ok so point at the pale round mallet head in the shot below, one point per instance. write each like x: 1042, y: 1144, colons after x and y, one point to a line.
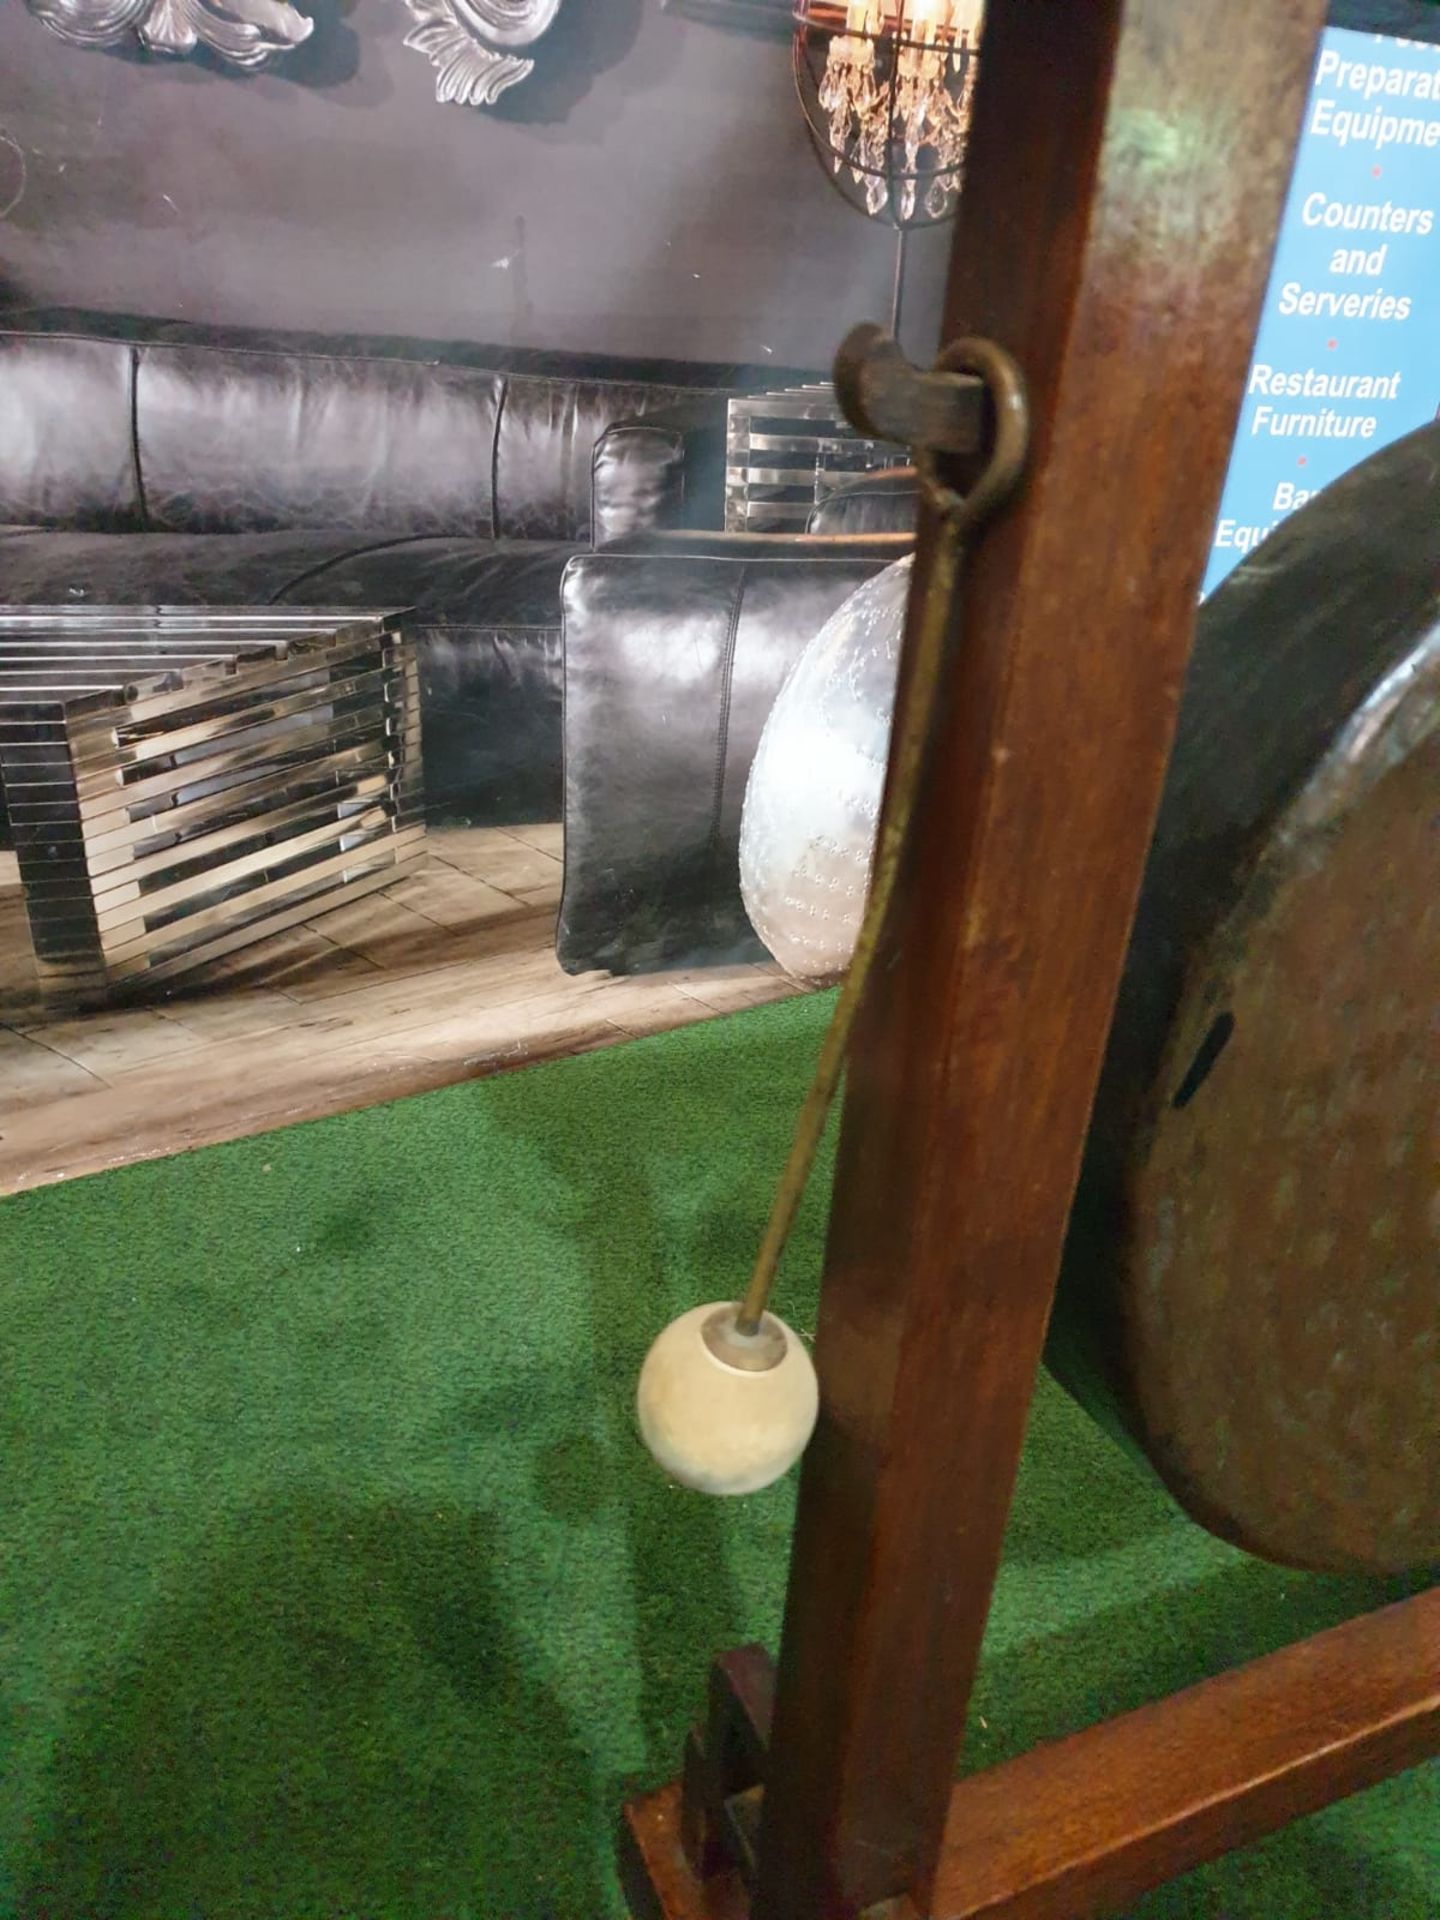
x: 723, y: 1411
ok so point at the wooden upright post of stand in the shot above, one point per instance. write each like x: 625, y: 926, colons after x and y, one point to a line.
x: 1128, y: 164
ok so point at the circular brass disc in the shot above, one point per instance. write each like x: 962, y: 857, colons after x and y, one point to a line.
x: 1250, y: 1294
x: 1282, y: 1282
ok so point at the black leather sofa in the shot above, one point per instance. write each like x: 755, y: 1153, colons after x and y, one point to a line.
x: 154, y: 462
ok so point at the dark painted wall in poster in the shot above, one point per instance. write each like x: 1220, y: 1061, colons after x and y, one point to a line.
x: 649, y: 190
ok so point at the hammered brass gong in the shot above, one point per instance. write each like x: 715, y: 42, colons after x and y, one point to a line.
x: 1251, y: 1288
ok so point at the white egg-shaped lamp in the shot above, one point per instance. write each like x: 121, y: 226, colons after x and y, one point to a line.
x: 812, y: 801
x: 723, y: 1410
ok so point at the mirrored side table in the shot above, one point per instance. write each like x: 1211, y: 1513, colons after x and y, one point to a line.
x: 785, y: 451
x: 181, y: 781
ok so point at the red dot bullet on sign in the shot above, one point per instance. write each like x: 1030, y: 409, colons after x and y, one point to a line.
x: 1332, y: 344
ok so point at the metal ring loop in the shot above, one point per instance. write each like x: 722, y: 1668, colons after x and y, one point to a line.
x: 1006, y: 386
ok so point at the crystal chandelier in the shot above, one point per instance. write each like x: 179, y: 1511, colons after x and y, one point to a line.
x: 887, y: 86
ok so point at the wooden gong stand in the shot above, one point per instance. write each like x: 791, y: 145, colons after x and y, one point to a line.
x: 1128, y: 166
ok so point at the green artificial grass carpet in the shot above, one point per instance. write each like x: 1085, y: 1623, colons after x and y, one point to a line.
x: 335, y: 1583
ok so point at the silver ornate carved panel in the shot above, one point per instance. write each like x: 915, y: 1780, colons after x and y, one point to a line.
x: 247, y: 33
x: 471, y: 44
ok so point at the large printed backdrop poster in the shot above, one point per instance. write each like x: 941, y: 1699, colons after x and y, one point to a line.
x: 1348, y: 352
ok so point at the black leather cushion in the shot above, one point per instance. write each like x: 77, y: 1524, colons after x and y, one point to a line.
x: 136, y: 569
x: 664, y: 470
x: 237, y: 441
x: 674, y: 654
x: 543, y: 458
x: 487, y: 632
x: 242, y: 442
x: 66, y: 457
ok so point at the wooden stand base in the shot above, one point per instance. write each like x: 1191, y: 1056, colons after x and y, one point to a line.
x: 1084, y: 1825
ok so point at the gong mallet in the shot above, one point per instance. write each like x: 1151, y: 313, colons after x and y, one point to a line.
x: 727, y: 1396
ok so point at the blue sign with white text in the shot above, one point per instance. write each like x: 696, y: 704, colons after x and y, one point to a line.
x: 1348, y: 353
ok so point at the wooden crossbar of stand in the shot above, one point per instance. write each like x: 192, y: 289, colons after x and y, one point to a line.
x: 1083, y: 1825
x: 1127, y: 167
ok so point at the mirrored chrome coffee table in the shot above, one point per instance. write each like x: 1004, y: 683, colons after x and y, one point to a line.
x: 183, y: 780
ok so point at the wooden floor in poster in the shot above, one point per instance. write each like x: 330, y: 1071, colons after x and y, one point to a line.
x: 448, y: 975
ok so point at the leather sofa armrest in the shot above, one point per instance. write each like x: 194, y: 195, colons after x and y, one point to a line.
x: 674, y: 650
x: 886, y: 501
x: 662, y: 469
